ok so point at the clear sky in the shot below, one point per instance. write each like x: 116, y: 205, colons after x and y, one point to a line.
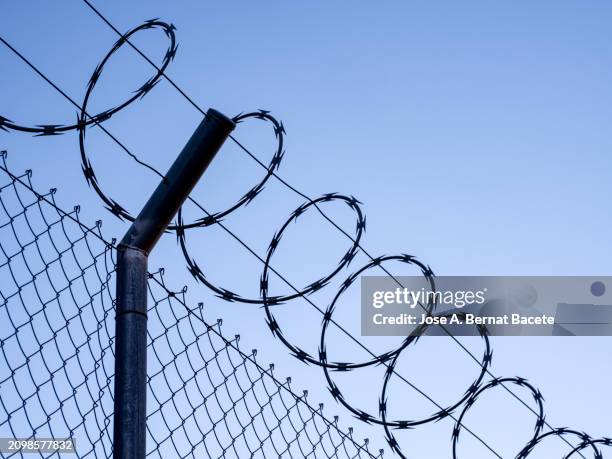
x: 475, y: 133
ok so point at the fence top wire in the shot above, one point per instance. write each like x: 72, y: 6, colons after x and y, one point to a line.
x: 205, y: 394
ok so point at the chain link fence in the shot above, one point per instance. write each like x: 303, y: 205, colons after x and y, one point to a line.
x: 206, y: 396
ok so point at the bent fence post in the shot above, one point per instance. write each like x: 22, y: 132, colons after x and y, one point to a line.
x: 129, y: 433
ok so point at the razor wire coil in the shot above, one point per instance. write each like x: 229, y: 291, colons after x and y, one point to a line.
x: 388, y: 358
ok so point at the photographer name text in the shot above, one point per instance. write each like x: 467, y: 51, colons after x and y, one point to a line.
x: 462, y: 319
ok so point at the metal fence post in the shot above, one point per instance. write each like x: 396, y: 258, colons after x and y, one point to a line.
x: 129, y: 435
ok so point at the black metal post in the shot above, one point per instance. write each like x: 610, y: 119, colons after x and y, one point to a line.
x: 131, y: 296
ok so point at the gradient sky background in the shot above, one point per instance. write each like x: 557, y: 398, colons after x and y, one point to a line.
x: 475, y: 133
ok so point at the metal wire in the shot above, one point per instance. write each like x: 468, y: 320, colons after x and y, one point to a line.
x: 85, y: 120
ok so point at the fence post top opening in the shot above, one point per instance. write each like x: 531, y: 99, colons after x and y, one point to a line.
x: 219, y: 117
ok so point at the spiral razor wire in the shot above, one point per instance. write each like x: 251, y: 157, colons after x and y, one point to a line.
x: 388, y: 359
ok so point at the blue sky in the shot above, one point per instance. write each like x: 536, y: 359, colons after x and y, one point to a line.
x: 475, y: 133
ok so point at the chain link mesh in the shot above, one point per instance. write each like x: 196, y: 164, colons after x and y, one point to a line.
x: 206, y: 396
